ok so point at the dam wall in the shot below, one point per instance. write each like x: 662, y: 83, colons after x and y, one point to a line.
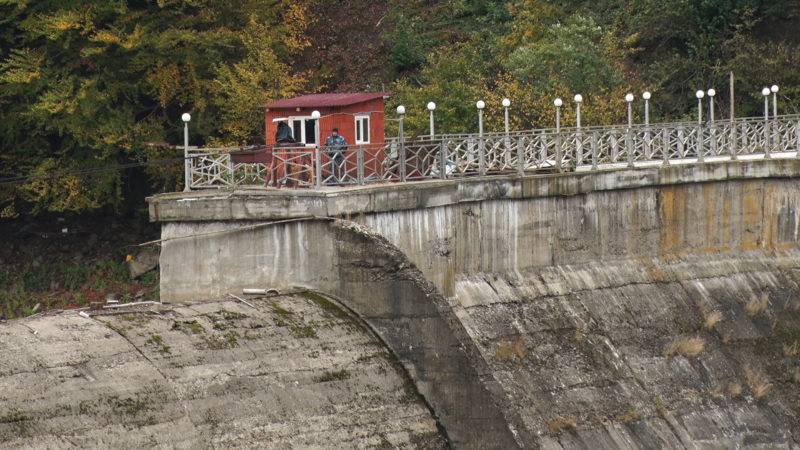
x: 541, y: 311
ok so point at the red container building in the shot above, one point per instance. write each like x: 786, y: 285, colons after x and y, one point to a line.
x: 358, y: 116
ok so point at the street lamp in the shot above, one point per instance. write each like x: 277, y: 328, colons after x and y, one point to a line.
x: 629, y: 99
x: 480, y: 105
x: 187, y: 174
x: 711, y: 94
x: 431, y: 107
x: 765, y: 92
x: 774, y: 90
x: 506, y: 104
x: 700, y: 94
x: 578, y: 99
x: 646, y: 97
x: 317, y: 156
x: 558, y: 104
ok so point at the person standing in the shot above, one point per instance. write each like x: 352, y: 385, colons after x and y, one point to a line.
x: 335, y: 146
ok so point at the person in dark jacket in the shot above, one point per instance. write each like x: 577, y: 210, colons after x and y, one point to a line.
x: 284, y: 133
x: 335, y: 146
x: 277, y: 170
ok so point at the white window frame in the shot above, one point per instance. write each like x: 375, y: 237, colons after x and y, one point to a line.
x: 359, y: 124
x: 301, y: 137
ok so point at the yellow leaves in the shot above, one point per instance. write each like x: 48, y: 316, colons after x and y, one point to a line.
x: 22, y: 66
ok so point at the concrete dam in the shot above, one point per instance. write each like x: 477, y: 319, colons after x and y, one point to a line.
x: 633, y: 308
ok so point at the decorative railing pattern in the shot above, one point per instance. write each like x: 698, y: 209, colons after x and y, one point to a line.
x: 537, y: 151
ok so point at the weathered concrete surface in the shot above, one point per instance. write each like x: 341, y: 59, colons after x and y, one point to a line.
x: 579, y: 350
x: 583, y: 220
x: 293, y: 372
x: 263, y: 204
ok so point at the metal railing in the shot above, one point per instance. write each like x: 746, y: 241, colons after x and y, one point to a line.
x: 531, y: 152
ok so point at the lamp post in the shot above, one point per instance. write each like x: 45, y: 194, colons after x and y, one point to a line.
x: 629, y: 99
x: 506, y: 104
x: 187, y: 171
x: 558, y: 104
x: 646, y: 97
x: 711, y: 93
x: 480, y: 105
x: 431, y: 107
x: 774, y: 90
x: 578, y: 100
x: 699, y: 95
x: 765, y: 92
x: 401, y: 112
x: 317, y: 156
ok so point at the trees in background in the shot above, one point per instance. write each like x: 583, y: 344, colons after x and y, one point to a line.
x: 85, y: 84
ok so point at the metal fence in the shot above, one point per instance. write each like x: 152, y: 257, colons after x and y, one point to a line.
x: 531, y: 152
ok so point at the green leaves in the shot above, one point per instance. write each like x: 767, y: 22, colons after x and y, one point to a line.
x: 83, y: 84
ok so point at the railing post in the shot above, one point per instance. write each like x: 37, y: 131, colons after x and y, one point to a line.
x: 629, y: 146
x: 443, y: 160
x: 733, y: 141
x: 700, y: 143
x: 360, y: 164
x: 797, y: 139
x: 318, y: 161
x: 481, y: 156
x: 521, y: 156
x: 767, y: 140
x: 559, y: 151
x: 229, y: 165
x: 665, y: 147
x: 594, y: 150
x: 713, y: 132
x: 681, y: 146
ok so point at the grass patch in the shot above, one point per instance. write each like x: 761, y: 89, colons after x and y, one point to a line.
x: 156, y: 341
x: 791, y: 350
x: 228, y: 340
x: 756, y: 305
x: 508, y: 350
x: 333, y: 375
x: 711, y: 319
x: 686, y: 346
x: 19, y: 420
x: 559, y: 424
x: 758, y: 383
x: 734, y: 389
x: 192, y: 325
x: 630, y: 416
x: 303, y: 331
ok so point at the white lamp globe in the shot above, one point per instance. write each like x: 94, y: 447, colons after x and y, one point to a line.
x: 699, y: 94
x: 558, y: 102
x: 646, y: 95
x: 578, y: 98
x: 506, y: 102
x: 480, y: 104
x: 186, y: 117
x: 765, y: 91
x: 315, y: 114
x: 401, y: 109
x: 431, y: 106
x: 628, y: 98
x: 712, y: 92
x: 774, y: 89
